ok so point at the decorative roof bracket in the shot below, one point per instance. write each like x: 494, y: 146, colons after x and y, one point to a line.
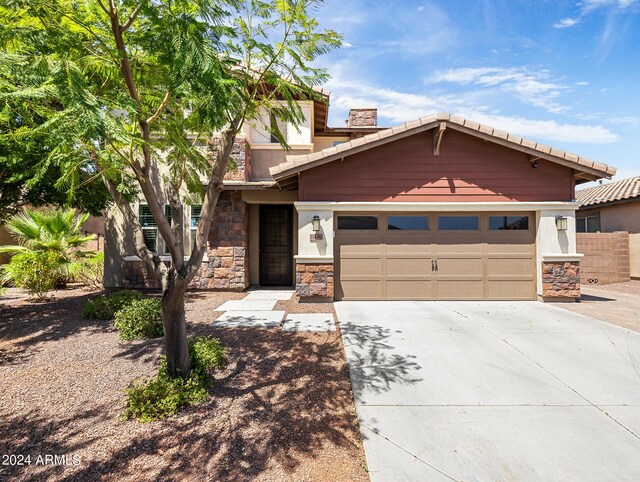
x: 437, y: 138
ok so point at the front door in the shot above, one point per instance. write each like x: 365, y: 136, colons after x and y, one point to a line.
x: 276, y: 244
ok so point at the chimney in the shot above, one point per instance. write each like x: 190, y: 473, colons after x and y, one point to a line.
x: 363, y: 117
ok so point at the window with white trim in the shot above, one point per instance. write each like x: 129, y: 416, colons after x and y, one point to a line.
x: 193, y: 223
x: 150, y: 228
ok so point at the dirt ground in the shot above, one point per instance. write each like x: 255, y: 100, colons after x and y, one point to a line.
x: 282, y: 410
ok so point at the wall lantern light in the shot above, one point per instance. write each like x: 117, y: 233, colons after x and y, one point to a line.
x: 561, y: 223
x: 316, y: 223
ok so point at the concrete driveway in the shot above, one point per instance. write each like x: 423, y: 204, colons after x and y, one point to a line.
x: 493, y: 391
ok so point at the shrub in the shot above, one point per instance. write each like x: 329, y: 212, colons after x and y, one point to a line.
x: 105, y: 307
x: 206, y: 354
x: 37, y: 272
x: 163, y: 396
x: 90, y: 271
x: 140, y: 319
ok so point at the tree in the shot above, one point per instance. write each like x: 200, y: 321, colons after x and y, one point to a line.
x: 27, y: 176
x: 143, y: 83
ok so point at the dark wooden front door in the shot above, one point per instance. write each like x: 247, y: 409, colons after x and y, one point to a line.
x: 276, y: 244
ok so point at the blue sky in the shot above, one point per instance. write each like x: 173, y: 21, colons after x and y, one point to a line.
x: 565, y: 73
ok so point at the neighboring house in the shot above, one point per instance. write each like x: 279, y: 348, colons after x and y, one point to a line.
x: 611, y: 207
x: 438, y: 208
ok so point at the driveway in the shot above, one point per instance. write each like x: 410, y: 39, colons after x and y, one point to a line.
x: 493, y: 391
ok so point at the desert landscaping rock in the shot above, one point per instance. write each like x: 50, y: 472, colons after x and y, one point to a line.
x: 281, y: 410
x: 309, y: 322
x: 256, y: 319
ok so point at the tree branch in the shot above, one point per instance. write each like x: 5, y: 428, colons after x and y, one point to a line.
x: 161, y: 107
x: 214, y: 187
x: 131, y: 18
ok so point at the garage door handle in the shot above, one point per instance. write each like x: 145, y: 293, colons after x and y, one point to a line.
x: 433, y: 265
x: 436, y: 265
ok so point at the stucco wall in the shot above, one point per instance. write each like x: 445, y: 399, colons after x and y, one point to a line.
x: 263, y: 159
x: 619, y: 217
x: 634, y: 255
x: 5, y: 238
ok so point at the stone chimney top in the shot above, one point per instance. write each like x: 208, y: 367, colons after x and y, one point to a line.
x: 363, y: 117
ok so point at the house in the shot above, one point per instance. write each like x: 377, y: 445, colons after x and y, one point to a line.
x: 609, y: 208
x: 438, y: 208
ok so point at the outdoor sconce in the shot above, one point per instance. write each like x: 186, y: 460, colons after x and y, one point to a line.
x: 561, y: 223
x: 315, y: 224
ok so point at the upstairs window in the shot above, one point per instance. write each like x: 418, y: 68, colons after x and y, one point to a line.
x: 277, y: 125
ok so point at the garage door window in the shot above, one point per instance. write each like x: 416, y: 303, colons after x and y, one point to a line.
x: 408, y: 223
x: 358, y: 222
x: 458, y: 223
x: 498, y: 223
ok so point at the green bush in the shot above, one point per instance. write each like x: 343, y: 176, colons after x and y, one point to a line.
x: 163, y: 396
x: 105, y: 307
x: 206, y: 354
x: 37, y: 272
x: 90, y: 271
x: 140, y: 319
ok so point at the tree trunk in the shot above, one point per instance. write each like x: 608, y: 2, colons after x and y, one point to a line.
x: 175, y: 324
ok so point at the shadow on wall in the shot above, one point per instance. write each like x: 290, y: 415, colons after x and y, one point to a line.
x: 377, y: 366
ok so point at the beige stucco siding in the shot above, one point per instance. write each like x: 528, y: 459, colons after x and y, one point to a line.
x: 619, y: 217
x: 634, y: 255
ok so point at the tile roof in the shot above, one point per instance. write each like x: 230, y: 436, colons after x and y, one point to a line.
x: 625, y: 189
x: 295, y: 164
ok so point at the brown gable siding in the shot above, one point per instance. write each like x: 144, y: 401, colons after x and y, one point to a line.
x: 467, y: 169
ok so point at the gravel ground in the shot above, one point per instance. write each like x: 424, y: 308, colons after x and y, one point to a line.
x: 629, y: 287
x: 282, y: 410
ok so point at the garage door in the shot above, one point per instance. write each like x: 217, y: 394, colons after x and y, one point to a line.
x: 435, y: 256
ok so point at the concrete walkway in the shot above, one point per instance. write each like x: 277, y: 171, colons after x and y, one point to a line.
x: 621, y: 309
x: 493, y: 391
x: 256, y: 310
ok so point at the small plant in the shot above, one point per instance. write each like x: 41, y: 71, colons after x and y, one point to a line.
x: 50, y: 230
x: 207, y: 355
x: 140, y: 319
x: 35, y: 271
x: 163, y: 396
x: 105, y: 307
x: 90, y: 272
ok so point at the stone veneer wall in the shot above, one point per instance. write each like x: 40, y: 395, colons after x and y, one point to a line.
x: 240, y: 162
x: 314, y: 281
x: 560, y: 279
x: 228, y: 261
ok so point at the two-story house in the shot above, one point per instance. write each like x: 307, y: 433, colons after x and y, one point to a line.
x: 437, y: 208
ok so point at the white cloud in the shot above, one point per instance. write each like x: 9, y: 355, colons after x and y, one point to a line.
x: 566, y: 23
x: 397, y: 107
x: 534, y: 88
x: 587, y: 6
x: 347, y: 45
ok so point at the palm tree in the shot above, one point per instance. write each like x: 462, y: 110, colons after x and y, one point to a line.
x: 55, y: 230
